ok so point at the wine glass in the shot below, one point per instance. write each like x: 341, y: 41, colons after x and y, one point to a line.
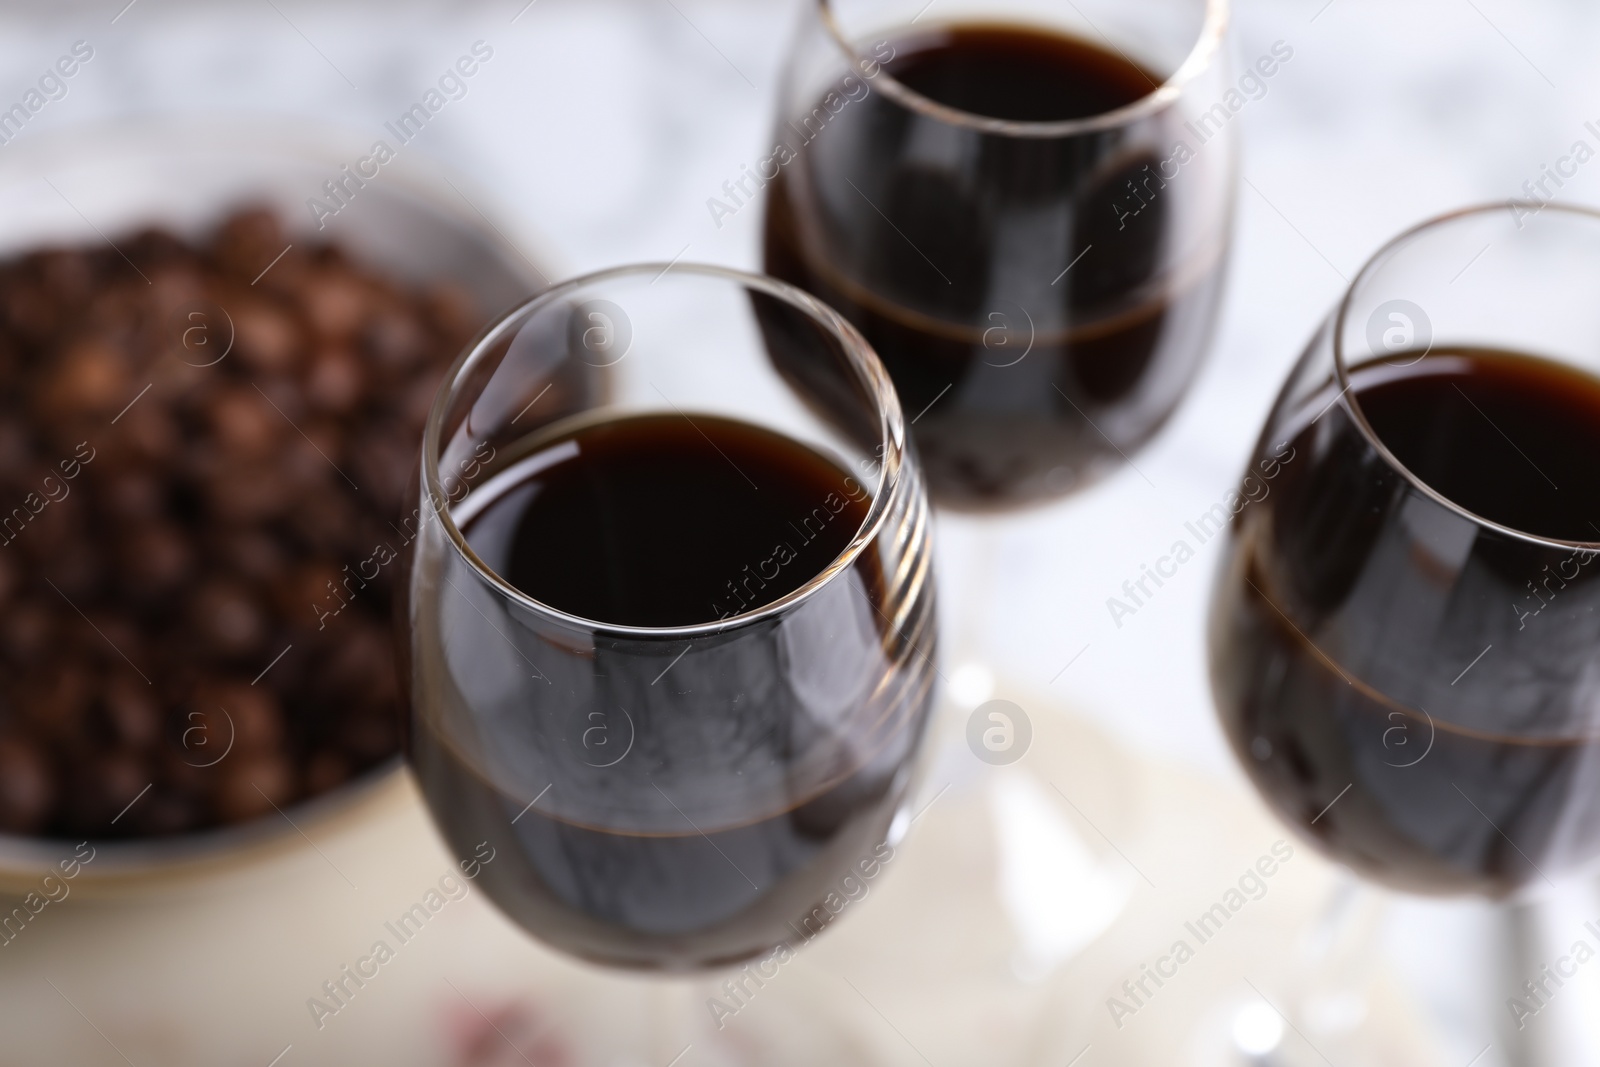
x: 1404, y: 636
x: 668, y: 784
x: 1025, y: 207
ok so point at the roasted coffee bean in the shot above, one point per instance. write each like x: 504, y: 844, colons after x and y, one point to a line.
x: 132, y: 493
x: 89, y: 376
x: 186, y: 767
x: 325, y: 521
x: 176, y: 289
x: 155, y: 559
x: 26, y: 629
x: 451, y: 310
x: 111, y: 637
x: 416, y: 399
x: 150, y: 432
x: 255, y: 556
x: 27, y: 786
x: 368, y: 734
x: 29, y: 311
x: 160, y: 814
x: 202, y: 482
x: 362, y: 656
x: 103, y: 786
x: 311, y: 584
x: 255, y: 493
x: 80, y: 572
x: 53, y: 697
x: 246, y: 243
x: 68, y: 275
x: 326, y: 770
x: 395, y: 337
x: 8, y: 579
x: 16, y: 444
x: 337, y: 302
x: 243, y: 423
x: 249, y: 716
x: 154, y: 249
x: 336, y: 383
x: 384, y: 460
x: 133, y: 710
x: 253, y: 785
x: 47, y: 529
x: 227, y: 619
x: 267, y: 338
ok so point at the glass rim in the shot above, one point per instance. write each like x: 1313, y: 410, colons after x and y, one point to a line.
x: 891, y: 426
x: 1348, y: 397
x: 1199, y: 59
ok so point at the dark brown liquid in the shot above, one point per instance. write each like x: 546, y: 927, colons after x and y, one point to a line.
x: 1028, y: 370
x: 1512, y: 439
x: 705, y: 794
x: 1016, y: 74
x: 665, y: 520
x: 1424, y: 716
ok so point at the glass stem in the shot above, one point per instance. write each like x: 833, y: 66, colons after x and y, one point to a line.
x: 969, y: 549
x: 1546, y: 1008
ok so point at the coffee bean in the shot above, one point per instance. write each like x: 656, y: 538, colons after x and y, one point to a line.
x: 185, y: 763
x: 252, y: 786
x: 240, y: 495
x: 67, y: 274
x: 54, y: 697
x: 416, y: 399
x: 326, y: 770
x: 451, y: 309
x: 104, y: 784
x: 243, y: 423
x: 255, y: 556
x: 155, y: 558
x: 150, y: 433
x: 311, y: 584
x: 267, y: 339
x: 90, y: 376
x: 326, y: 521
x: 155, y: 249
x: 133, y: 493
x: 27, y: 786
x: 8, y: 580
x: 368, y: 734
x: 112, y: 636
x: 335, y: 383
x: 29, y: 311
x: 250, y: 715
x: 163, y: 813
x: 361, y: 660
x: 214, y: 536
x: 337, y: 303
x: 25, y: 631
x: 16, y: 444
x: 385, y: 460
x: 246, y: 243
x: 133, y: 711
x: 227, y: 619
x: 395, y: 338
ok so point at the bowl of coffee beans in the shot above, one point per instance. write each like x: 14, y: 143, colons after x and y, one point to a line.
x: 217, y: 352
